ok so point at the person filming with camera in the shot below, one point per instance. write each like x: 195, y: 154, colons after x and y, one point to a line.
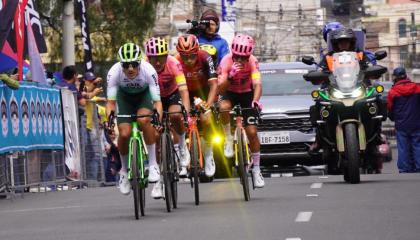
x: 207, y: 33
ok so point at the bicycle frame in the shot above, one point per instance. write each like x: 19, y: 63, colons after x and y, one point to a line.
x: 194, y: 128
x: 137, y: 135
x: 239, y: 125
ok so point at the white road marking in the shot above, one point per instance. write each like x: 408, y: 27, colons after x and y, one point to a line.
x: 287, y: 175
x: 275, y: 175
x: 316, y: 185
x: 303, y: 217
x: 39, y: 209
x: 312, y: 195
x: 293, y: 238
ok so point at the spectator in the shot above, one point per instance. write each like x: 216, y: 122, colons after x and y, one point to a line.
x: 404, y: 110
x: 70, y: 78
x: 211, y: 36
x: 93, y: 134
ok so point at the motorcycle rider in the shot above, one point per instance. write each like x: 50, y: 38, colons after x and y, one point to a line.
x: 342, y: 39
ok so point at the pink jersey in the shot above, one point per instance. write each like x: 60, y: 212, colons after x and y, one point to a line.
x: 240, y: 79
x: 171, y: 77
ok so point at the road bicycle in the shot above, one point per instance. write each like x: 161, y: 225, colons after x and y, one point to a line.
x: 241, y: 145
x: 137, y: 156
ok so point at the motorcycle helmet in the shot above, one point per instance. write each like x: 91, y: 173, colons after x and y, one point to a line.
x: 343, y: 34
x: 331, y: 26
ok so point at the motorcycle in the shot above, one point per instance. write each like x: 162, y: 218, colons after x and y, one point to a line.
x: 349, y: 113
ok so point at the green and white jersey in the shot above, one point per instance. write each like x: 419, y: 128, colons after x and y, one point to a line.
x: 146, y: 79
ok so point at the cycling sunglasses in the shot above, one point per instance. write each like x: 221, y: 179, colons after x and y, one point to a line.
x: 133, y: 64
x: 187, y: 57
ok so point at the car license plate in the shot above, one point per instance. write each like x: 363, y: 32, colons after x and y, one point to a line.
x: 282, y: 137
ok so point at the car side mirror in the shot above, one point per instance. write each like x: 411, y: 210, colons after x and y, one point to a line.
x: 308, y: 60
x: 376, y: 70
x: 316, y: 77
x: 379, y: 55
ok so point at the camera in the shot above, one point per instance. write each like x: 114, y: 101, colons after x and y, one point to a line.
x: 197, y: 27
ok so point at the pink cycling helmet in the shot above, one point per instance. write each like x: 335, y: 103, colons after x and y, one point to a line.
x: 156, y: 46
x: 242, y: 45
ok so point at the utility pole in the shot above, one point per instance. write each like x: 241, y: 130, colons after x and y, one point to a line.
x: 298, y: 30
x: 68, y: 33
x: 413, y: 34
x: 196, y: 8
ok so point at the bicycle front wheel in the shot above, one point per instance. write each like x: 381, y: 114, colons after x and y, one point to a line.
x: 174, y: 175
x: 195, y: 163
x: 166, y: 168
x: 242, y: 163
x: 135, y: 179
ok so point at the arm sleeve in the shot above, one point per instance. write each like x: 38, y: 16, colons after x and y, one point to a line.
x: 223, y: 72
x: 255, y: 71
x: 179, y: 74
x: 389, y: 104
x: 209, y: 65
x: 152, y: 80
x: 112, y: 84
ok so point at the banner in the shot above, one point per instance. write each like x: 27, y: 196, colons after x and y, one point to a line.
x: 85, y: 36
x: 71, y: 128
x: 7, y: 12
x: 36, y: 66
x: 19, y: 25
x: 31, y: 118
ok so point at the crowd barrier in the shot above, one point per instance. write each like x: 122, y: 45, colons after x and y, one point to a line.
x: 66, y: 155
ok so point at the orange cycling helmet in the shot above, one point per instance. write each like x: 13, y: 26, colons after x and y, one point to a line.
x: 187, y: 44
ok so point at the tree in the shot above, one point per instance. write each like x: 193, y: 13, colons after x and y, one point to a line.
x: 111, y: 23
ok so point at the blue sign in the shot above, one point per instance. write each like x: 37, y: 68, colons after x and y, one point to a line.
x: 31, y: 118
x: 228, y: 10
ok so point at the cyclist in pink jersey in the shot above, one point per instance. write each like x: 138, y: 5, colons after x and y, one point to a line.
x: 240, y: 83
x: 173, y: 93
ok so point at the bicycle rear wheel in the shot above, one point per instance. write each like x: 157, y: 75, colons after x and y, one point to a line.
x: 135, y: 179
x: 195, y: 155
x: 243, y: 173
x: 166, y: 169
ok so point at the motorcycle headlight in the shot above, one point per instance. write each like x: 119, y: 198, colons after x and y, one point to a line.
x: 356, y: 93
x: 337, y: 94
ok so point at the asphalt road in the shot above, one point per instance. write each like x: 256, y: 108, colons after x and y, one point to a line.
x: 385, y: 206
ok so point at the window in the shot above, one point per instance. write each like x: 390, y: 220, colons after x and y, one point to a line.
x: 402, y: 28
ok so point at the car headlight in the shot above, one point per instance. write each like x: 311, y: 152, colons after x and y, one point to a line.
x: 356, y: 93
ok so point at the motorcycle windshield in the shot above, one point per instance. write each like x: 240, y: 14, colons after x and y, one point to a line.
x: 346, y: 70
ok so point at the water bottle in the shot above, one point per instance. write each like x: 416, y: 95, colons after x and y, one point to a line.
x: 199, y: 104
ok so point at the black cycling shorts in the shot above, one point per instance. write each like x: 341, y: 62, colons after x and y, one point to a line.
x: 245, y: 101
x: 173, y: 99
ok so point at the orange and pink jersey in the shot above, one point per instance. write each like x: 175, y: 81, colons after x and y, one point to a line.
x: 171, y: 78
x: 240, y: 79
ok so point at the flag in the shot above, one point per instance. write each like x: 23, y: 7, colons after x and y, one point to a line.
x: 7, y: 11
x: 36, y: 26
x: 85, y: 36
x: 20, y: 34
x: 36, y: 66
